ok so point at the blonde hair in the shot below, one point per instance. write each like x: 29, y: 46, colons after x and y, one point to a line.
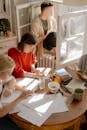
x: 6, y: 63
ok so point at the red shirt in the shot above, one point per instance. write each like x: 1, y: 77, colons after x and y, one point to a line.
x: 22, y: 60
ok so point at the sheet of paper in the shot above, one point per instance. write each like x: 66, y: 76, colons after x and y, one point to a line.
x: 32, y: 116
x: 11, y: 98
x: 59, y: 104
x: 44, y: 103
x: 74, y: 83
x: 16, y: 109
x: 37, y: 108
x: 46, y: 71
x: 29, y: 83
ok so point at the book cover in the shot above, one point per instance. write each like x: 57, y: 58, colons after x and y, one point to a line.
x: 65, y: 76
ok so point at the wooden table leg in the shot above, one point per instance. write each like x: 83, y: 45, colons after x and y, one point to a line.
x: 77, y: 125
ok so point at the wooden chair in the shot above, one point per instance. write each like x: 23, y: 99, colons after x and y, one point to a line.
x: 46, y: 60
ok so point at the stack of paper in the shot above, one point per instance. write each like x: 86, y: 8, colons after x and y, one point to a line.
x: 28, y: 83
x: 37, y: 108
x: 44, y: 103
x: 9, y: 99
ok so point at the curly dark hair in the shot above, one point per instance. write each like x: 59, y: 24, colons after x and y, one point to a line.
x: 27, y: 38
x: 45, y: 4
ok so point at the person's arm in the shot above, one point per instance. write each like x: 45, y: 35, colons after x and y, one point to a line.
x: 33, y: 68
x: 9, y: 86
x: 31, y: 75
x: 5, y: 109
x: 18, y: 71
x: 34, y: 72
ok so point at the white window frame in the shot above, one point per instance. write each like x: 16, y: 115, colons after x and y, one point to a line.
x: 7, y: 14
x: 59, y: 38
x: 19, y: 7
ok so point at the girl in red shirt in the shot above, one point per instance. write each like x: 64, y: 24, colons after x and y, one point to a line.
x: 24, y: 57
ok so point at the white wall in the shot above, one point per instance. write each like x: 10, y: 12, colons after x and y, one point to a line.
x: 19, y: 1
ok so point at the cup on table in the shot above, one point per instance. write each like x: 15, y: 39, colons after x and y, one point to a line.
x: 42, y: 83
x: 53, y: 87
x: 78, y: 94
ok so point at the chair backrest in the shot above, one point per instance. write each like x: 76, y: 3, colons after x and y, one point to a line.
x: 83, y: 63
x: 46, y: 61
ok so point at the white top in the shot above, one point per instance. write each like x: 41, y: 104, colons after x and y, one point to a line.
x: 5, y: 100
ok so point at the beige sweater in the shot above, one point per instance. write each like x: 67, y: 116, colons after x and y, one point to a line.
x: 37, y: 30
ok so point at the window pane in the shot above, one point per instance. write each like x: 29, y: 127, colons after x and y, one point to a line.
x: 24, y: 30
x: 73, y: 30
x: 24, y: 16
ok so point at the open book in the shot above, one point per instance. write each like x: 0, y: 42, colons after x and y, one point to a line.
x: 65, y: 76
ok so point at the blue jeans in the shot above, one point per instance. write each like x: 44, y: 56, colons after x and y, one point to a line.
x: 7, y: 124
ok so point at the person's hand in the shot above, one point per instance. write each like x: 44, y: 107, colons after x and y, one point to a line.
x: 38, y: 73
x: 11, y: 83
x: 19, y: 87
x: 7, y: 92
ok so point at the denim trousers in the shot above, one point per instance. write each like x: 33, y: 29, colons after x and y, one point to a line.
x: 7, y: 124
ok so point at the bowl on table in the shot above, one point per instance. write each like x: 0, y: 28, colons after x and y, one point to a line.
x: 53, y: 87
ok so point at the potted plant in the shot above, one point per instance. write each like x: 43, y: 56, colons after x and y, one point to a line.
x: 5, y: 27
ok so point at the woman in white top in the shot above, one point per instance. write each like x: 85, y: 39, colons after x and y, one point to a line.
x: 6, y: 80
x: 43, y: 24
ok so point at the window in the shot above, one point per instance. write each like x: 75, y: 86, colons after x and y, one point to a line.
x: 71, y: 28
x: 25, y: 13
x: 71, y: 36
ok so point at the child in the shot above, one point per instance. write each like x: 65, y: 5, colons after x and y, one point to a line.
x: 25, y: 58
x: 6, y: 67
